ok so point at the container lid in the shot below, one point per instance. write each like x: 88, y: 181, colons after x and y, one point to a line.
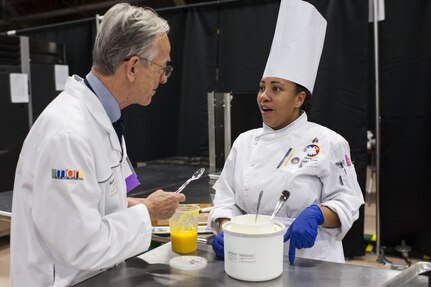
x: 279, y: 228
x: 188, y: 262
x: 247, y: 224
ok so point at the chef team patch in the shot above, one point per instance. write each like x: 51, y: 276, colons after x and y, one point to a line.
x: 312, y: 150
x: 348, y: 162
x: 69, y: 174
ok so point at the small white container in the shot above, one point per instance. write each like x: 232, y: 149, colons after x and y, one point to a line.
x: 248, y: 224
x: 251, y: 255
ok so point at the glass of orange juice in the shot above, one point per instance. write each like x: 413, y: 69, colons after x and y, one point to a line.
x: 183, y: 227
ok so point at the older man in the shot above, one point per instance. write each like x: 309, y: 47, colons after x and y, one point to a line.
x: 71, y: 214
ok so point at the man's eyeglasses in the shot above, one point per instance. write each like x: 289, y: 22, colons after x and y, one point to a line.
x: 167, y: 70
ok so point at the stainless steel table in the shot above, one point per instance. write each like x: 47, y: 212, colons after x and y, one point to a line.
x: 6, y: 205
x: 152, y: 269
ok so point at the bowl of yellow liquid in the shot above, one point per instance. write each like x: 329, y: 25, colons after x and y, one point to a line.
x: 183, y: 227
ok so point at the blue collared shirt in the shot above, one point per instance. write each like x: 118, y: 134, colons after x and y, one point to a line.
x: 106, y: 98
x: 114, y: 113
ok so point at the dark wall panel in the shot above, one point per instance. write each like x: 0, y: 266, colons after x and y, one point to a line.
x: 406, y: 125
x: 340, y: 100
x: 14, y: 128
x: 194, y: 51
x: 78, y: 37
x: 14, y: 118
x: 246, y: 33
x: 176, y: 121
x: 42, y: 86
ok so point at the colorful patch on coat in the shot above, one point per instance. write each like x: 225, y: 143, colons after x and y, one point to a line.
x: 70, y: 174
x: 312, y: 150
x: 348, y: 162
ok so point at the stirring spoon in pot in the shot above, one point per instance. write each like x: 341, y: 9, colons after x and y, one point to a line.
x: 258, y: 204
x: 283, y: 198
x: 195, y: 176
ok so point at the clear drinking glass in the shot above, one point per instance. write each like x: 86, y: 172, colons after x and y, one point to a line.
x: 183, y: 227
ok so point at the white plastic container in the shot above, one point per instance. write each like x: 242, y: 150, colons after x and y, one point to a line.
x: 253, y: 253
x: 248, y: 224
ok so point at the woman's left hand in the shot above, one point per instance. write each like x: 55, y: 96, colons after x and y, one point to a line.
x: 303, y: 230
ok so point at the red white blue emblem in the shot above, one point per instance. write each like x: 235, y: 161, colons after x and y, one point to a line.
x: 312, y: 150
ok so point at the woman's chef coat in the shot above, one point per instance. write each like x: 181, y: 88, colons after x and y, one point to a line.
x: 310, y: 161
x: 70, y: 215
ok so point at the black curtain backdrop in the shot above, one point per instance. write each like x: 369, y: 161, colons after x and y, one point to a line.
x: 246, y: 33
x: 223, y: 47
x: 405, y: 125
x: 339, y: 100
x: 78, y: 38
x: 176, y: 121
x: 194, y: 50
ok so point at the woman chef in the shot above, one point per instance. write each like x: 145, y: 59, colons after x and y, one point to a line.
x: 310, y: 161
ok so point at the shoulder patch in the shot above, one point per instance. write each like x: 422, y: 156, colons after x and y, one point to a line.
x: 70, y: 174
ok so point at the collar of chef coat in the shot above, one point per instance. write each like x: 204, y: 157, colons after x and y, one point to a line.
x: 300, y: 121
x: 76, y: 87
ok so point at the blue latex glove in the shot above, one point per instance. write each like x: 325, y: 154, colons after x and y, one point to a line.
x: 218, y: 245
x: 303, y: 230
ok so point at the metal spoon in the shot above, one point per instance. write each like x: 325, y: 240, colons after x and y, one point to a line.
x: 195, y: 176
x: 258, y: 204
x: 283, y: 197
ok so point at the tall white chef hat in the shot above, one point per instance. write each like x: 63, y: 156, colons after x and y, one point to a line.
x: 297, y: 44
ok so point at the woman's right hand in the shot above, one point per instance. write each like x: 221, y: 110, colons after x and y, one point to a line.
x: 218, y: 245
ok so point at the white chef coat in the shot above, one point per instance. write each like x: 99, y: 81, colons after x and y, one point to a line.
x: 307, y: 159
x: 69, y: 212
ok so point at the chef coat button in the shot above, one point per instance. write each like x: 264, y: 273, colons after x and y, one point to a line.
x: 252, y: 163
x: 245, y: 188
x: 256, y: 140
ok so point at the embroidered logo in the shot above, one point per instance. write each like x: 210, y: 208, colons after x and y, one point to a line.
x: 348, y: 162
x: 312, y: 150
x: 70, y: 174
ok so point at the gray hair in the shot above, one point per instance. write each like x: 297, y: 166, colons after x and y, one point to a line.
x: 126, y: 31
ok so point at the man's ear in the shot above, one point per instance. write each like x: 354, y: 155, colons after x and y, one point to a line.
x: 131, y: 68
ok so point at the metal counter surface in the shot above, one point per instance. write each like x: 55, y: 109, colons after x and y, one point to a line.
x: 152, y: 269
